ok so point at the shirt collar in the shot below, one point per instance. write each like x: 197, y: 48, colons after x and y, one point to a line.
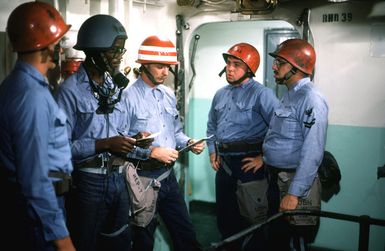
x: 299, y: 84
x: 30, y: 70
x: 243, y: 86
x: 147, y: 89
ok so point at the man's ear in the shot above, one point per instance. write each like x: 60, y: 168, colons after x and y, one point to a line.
x: 46, y: 54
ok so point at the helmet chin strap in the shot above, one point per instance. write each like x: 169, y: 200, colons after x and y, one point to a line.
x: 151, y: 77
x: 98, y: 63
x: 288, y: 75
x: 107, y: 64
x: 117, y: 77
x: 223, y: 71
x: 237, y: 82
x: 56, y: 54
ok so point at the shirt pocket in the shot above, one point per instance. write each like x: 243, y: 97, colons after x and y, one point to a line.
x: 87, y: 114
x: 244, y: 114
x: 218, y: 108
x: 60, y: 137
x: 284, y: 122
x: 119, y: 117
x: 219, y: 111
x: 142, y: 121
x: 172, y: 115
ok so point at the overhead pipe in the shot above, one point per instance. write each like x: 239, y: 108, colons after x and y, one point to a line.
x: 192, y: 61
x: 180, y: 93
x: 116, y: 9
x: 304, y: 21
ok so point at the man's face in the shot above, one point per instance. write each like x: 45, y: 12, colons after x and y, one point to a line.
x: 280, y: 68
x: 159, y: 72
x: 115, y: 54
x: 51, y: 54
x: 235, y: 69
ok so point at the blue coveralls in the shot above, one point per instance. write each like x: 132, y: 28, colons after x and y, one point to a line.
x: 295, y: 143
x: 154, y: 110
x: 33, y: 144
x: 237, y: 114
x: 99, y: 205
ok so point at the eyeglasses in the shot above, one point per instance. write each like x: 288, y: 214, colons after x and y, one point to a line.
x: 117, y: 51
x: 279, y: 62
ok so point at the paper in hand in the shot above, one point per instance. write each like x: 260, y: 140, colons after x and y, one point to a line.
x: 149, y: 137
x: 188, y: 147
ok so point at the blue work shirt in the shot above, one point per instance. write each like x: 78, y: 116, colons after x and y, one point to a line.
x: 297, y: 135
x: 33, y: 142
x: 154, y: 110
x: 76, y: 97
x: 240, y: 113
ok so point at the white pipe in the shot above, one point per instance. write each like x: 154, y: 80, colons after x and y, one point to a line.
x: 130, y: 43
x: 55, y: 4
x: 116, y: 9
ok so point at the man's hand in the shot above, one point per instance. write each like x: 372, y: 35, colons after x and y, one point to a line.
x: 64, y: 244
x: 116, y: 144
x: 288, y: 202
x: 215, y: 161
x: 164, y: 155
x: 198, y: 148
x: 252, y: 163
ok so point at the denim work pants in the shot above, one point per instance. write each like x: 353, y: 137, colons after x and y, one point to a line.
x: 173, y: 210
x: 229, y: 220
x: 98, y: 212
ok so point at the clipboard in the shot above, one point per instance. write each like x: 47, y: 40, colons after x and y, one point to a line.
x: 188, y: 147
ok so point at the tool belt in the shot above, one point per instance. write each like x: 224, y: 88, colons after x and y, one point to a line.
x: 97, y: 162
x: 150, y: 164
x: 276, y: 170
x: 239, y: 146
x: 61, y: 186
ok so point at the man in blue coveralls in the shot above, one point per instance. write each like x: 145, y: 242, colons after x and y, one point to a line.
x: 152, y: 108
x: 239, y: 117
x: 294, y: 144
x: 35, y: 156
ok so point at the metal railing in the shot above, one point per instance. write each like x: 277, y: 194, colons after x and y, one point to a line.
x: 364, y: 222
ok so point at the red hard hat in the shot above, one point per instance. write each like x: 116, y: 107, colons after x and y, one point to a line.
x: 156, y: 50
x: 298, y: 53
x: 69, y: 66
x: 35, y: 25
x: 245, y: 52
